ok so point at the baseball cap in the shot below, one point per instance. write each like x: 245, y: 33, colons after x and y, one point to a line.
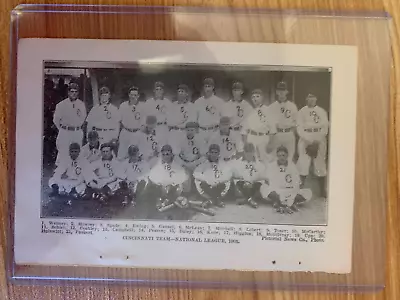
x: 92, y: 135
x: 73, y: 86
x: 151, y: 120
x: 311, y: 96
x: 158, y: 84
x: 283, y: 149
x: 281, y: 86
x: 237, y: 86
x: 249, y: 147
x: 225, y: 120
x: 192, y: 125
x: 183, y: 87
x: 105, y: 145
x: 74, y: 146
x: 133, y: 88
x: 133, y: 149
x: 209, y: 81
x: 257, y: 91
x: 104, y: 90
x: 214, y: 146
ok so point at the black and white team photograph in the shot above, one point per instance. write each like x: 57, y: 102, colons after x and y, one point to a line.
x: 204, y: 143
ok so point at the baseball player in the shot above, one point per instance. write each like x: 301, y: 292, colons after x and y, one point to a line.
x: 69, y: 116
x: 285, y: 114
x: 312, y: 127
x: 230, y: 141
x: 284, y: 184
x: 209, y: 108
x: 136, y: 172
x: 149, y: 139
x: 190, y: 146
x: 181, y: 111
x: 91, y: 151
x: 249, y: 173
x: 259, y: 126
x: 213, y: 178
x: 132, y: 119
x: 158, y: 106
x: 104, y: 118
x: 105, y: 174
x: 169, y: 176
x: 237, y: 109
x: 68, y: 178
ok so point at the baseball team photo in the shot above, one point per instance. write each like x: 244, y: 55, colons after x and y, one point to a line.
x: 186, y: 142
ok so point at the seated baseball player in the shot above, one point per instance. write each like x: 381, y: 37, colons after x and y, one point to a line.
x: 230, y: 141
x: 284, y: 184
x: 136, y: 171
x: 68, y: 178
x: 213, y: 178
x: 104, y: 176
x: 249, y: 174
x: 91, y: 151
x: 169, y: 177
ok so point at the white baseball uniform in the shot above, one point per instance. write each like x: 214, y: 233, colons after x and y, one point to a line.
x: 249, y: 171
x: 230, y: 144
x: 257, y: 128
x: 135, y: 172
x: 285, y: 114
x: 69, y: 174
x: 178, y: 114
x: 90, y: 153
x: 149, y: 144
x: 103, y: 171
x: 105, y: 119
x: 158, y: 108
x: 132, y: 120
x: 312, y: 125
x: 213, y: 173
x: 69, y: 117
x: 285, y: 181
x: 237, y: 111
x: 190, y: 151
x: 209, y: 113
x: 168, y: 173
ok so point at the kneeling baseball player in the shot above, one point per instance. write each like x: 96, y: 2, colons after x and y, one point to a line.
x: 169, y: 177
x: 249, y: 174
x: 68, y: 178
x: 136, y: 172
x: 284, y: 184
x: 213, y: 178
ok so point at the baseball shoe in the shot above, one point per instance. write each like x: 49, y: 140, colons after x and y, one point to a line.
x: 295, y: 208
x: 74, y: 194
x: 252, y: 203
x: 54, y: 191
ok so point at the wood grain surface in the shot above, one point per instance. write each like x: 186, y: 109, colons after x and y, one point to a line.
x: 369, y: 90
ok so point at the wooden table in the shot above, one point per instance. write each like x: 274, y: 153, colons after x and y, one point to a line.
x: 392, y: 290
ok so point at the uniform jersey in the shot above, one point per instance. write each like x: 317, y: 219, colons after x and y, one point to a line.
x: 71, y: 169
x: 259, y: 121
x: 90, y: 153
x: 229, y: 144
x: 168, y: 174
x: 250, y: 171
x: 237, y: 111
x: 104, y: 117
x: 285, y: 114
x: 158, y: 108
x: 283, y: 177
x: 209, y: 110
x: 135, y: 171
x: 190, y: 149
x: 104, y: 169
x: 213, y: 173
x: 132, y: 116
x: 149, y: 143
x: 312, y: 123
x: 178, y: 114
x: 69, y: 113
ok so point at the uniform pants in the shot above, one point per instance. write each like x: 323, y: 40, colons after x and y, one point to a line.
x: 304, y: 161
x: 248, y: 189
x: 113, y: 186
x: 126, y: 139
x: 213, y: 191
x: 286, y: 196
x: 138, y: 187
x: 66, y: 185
x: 260, y: 143
x: 286, y: 139
x: 170, y: 192
x: 64, y: 139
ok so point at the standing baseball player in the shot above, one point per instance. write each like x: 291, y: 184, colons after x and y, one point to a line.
x: 209, y: 108
x: 136, y: 171
x: 213, y: 178
x: 169, y: 176
x: 68, y: 178
x: 285, y: 114
x: 229, y: 141
x: 249, y: 174
x: 105, y: 174
x: 132, y: 118
x: 91, y: 151
x: 158, y: 106
x: 69, y: 116
x: 284, y: 184
x: 105, y: 118
x: 312, y: 127
x: 259, y: 126
x: 181, y: 112
x: 237, y: 109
